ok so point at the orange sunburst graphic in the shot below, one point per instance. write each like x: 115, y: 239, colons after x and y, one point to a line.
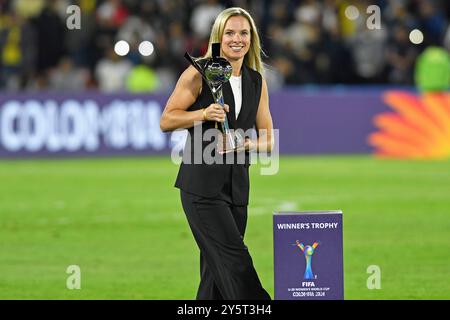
x: 419, y: 129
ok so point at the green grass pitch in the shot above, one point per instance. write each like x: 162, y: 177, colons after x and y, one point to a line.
x: 120, y: 220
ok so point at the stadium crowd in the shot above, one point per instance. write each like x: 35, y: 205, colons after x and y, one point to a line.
x: 305, y: 41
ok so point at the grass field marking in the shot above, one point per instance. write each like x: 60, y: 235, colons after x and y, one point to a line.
x: 272, y: 206
x: 287, y: 206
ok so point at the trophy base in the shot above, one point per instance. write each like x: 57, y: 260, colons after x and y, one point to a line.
x: 230, y: 142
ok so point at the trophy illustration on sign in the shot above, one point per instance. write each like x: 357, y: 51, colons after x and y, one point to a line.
x: 308, y: 251
x: 216, y: 71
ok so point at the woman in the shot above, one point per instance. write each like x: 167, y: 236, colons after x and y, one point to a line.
x: 215, y: 196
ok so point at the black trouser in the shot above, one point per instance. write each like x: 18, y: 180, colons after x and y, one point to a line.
x: 226, y: 267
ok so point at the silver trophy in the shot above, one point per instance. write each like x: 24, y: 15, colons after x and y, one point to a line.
x: 216, y: 71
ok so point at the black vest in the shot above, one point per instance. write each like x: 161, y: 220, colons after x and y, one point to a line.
x: 207, y: 180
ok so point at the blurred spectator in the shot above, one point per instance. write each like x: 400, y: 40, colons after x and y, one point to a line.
x: 335, y: 64
x: 304, y: 31
x: 401, y: 55
x: 112, y: 14
x: 305, y: 42
x: 397, y: 13
x: 80, y: 44
x: 368, y: 52
x: 17, y: 52
x: 50, y: 31
x: 136, y: 29
x: 432, y: 70
x: 27, y: 8
x: 142, y: 78
x: 68, y: 77
x: 349, y: 26
x: 432, y: 23
x: 112, y: 71
x: 277, y: 72
x: 203, y: 17
x: 329, y: 16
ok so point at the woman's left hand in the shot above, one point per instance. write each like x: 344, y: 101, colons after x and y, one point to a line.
x: 249, y: 145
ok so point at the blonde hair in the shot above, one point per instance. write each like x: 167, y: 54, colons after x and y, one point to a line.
x: 252, y: 58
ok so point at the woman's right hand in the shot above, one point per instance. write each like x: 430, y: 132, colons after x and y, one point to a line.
x: 215, y: 112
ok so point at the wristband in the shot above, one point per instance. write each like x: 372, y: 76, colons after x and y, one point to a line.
x: 204, y: 114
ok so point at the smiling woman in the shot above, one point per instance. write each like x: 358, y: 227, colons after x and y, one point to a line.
x: 236, y: 40
x: 236, y: 31
x: 215, y: 196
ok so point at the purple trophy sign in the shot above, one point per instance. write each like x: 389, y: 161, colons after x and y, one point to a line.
x: 308, y: 255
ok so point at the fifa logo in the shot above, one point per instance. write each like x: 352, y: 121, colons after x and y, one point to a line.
x: 308, y: 251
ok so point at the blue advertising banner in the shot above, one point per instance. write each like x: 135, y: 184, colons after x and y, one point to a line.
x: 93, y: 124
x: 43, y: 124
x: 308, y: 255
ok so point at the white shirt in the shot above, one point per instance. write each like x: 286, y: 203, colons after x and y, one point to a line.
x: 111, y: 75
x: 236, y: 86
